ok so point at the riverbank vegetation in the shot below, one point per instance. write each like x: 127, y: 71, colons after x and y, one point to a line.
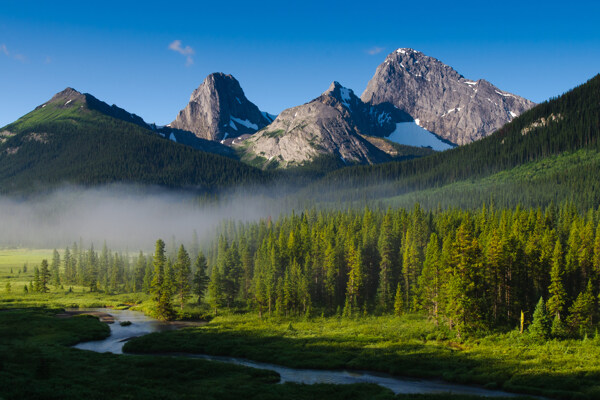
x: 35, y: 363
x: 407, y: 346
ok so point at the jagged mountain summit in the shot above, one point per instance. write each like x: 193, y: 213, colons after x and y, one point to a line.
x: 337, y: 123
x: 440, y: 99
x: 218, y: 109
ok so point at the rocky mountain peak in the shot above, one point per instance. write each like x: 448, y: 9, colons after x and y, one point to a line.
x: 441, y: 99
x: 66, y: 97
x: 337, y: 123
x: 218, y: 82
x: 218, y: 109
x: 343, y: 95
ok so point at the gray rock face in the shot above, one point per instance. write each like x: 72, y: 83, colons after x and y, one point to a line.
x: 219, y: 109
x: 368, y: 119
x: 440, y: 99
x: 331, y: 124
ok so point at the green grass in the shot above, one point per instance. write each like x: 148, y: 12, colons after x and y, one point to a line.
x: 35, y: 363
x: 50, y: 113
x: 409, y: 346
x: 14, y: 259
x: 32, y: 340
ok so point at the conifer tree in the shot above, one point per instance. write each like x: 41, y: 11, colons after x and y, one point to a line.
x: 232, y: 273
x: 411, y: 263
x: 331, y: 274
x: 148, y: 277
x: 430, y: 280
x: 168, y: 290
x: 55, y: 268
x: 580, y: 319
x: 385, y: 290
x: 596, y: 256
x: 44, y: 276
x: 464, y: 308
x: 69, y: 276
x: 215, y: 290
x: 557, y: 299
x: 541, y: 325
x: 139, y: 273
x: 201, y: 279
x: 355, y: 279
x: 161, y: 293
x: 91, y: 275
x: 398, y: 301
x: 183, y: 274
x: 37, y: 285
x: 558, y: 330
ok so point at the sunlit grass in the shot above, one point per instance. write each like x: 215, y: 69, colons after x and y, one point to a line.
x: 409, y: 346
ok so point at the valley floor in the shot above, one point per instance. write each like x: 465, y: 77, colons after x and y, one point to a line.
x: 407, y: 346
x: 36, y: 363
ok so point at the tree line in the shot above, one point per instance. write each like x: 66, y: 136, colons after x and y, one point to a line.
x: 481, y: 270
x: 471, y: 270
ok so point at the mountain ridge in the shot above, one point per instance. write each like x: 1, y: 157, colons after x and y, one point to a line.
x: 335, y: 123
x: 66, y: 140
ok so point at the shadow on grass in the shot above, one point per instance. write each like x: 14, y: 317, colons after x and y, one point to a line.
x: 423, y: 359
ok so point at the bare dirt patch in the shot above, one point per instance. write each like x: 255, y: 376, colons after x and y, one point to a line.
x: 102, y: 316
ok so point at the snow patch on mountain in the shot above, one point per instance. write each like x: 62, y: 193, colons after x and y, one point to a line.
x: 345, y: 95
x: 411, y: 134
x: 245, y: 123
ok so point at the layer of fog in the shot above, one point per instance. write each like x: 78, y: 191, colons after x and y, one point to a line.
x: 125, y: 218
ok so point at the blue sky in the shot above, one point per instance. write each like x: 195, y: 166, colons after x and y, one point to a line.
x: 283, y: 53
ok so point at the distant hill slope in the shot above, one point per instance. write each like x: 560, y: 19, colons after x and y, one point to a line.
x: 75, y: 138
x: 564, y: 124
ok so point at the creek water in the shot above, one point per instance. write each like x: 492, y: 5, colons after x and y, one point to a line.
x: 142, y: 325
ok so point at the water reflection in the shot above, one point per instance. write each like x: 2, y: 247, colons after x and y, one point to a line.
x: 140, y: 325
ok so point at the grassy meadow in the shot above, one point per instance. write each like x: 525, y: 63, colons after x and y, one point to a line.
x: 407, y: 346
x: 36, y: 363
x: 12, y: 262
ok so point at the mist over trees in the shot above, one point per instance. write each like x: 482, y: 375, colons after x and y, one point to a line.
x: 472, y: 271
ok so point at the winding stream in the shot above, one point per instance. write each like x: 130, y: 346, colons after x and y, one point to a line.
x: 142, y: 325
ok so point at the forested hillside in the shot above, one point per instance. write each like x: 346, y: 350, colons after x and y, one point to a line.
x: 564, y: 124
x: 69, y: 142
